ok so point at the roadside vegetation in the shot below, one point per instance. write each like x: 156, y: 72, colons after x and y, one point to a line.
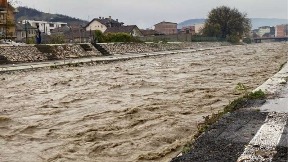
x: 238, y: 103
x: 100, y: 37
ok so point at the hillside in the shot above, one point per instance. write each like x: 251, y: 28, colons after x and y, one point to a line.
x: 33, y: 14
x: 190, y: 22
x: 256, y: 22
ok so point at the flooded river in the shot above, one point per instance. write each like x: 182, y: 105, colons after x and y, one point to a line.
x: 135, y: 110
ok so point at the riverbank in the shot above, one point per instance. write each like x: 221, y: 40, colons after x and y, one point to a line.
x: 55, y: 52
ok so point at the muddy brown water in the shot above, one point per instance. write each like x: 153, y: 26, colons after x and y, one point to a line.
x: 136, y: 110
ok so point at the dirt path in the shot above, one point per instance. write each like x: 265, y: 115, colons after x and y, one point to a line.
x: 125, y: 111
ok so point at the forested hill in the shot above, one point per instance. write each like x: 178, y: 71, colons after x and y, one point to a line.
x: 33, y: 14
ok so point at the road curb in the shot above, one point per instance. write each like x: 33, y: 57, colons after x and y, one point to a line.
x: 275, y: 83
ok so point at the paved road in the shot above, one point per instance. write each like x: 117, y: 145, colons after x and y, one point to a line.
x: 245, y: 135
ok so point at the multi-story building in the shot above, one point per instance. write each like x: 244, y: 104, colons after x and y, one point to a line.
x: 7, y: 20
x: 166, y: 28
x: 263, y: 30
x: 281, y: 30
x: 188, y: 30
x: 102, y: 24
x: 193, y: 29
x: 45, y: 26
x: 198, y: 28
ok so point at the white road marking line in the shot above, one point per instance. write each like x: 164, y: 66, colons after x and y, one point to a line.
x: 263, y: 146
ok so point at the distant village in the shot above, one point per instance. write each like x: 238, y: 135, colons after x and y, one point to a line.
x: 26, y: 29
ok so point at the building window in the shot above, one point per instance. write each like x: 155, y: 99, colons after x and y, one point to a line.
x: 51, y: 25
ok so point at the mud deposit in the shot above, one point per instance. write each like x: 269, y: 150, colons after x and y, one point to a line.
x: 136, y: 110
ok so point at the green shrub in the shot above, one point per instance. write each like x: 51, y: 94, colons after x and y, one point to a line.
x: 233, y: 106
x: 31, y: 41
x: 233, y: 38
x: 99, y: 37
x: 118, y: 37
x: 57, y: 39
x: 247, y: 40
x: 113, y: 37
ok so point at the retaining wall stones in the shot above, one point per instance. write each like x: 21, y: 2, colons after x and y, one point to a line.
x: 36, y: 53
x: 56, y: 52
x: 10, y: 54
x: 121, y: 48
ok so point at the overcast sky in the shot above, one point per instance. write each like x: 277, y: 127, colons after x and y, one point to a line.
x: 146, y: 13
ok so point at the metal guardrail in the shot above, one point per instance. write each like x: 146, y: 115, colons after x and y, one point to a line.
x: 258, y: 40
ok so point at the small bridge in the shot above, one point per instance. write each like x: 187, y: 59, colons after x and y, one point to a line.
x: 276, y: 39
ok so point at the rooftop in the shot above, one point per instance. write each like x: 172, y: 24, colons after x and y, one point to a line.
x: 121, y: 29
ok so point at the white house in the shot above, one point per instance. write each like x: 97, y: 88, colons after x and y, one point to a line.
x: 102, y: 24
x: 45, y: 26
x: 95, y: 25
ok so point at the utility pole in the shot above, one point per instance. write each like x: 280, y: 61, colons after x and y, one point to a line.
x: 80, y: 31
x: 6, y: 30
x: 26, y: 31
x: 80, y: 34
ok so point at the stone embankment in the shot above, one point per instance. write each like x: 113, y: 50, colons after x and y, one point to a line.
x: 121, y: 48
x: 9, y: 54
x: 57, y: 52
x: 38, y: 53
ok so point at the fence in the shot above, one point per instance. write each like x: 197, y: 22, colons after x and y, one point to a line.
x: 207, y: 39
x: 180, y: 38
